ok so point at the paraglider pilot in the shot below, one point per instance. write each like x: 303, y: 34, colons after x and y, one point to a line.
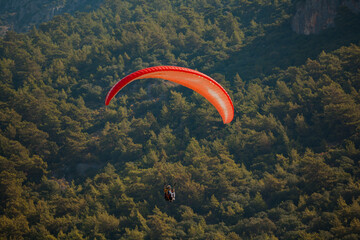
x: 169, y: 193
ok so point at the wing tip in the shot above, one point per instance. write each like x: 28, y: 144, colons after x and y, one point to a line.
x: 228, y: 119
x: 107, y: 100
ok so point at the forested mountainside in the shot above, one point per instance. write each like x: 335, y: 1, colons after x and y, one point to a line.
x: 286, y: 167
x: 311, y: 16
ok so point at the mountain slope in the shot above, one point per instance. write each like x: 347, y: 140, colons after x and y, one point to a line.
x: 286, y: 167
x: 21, y: 15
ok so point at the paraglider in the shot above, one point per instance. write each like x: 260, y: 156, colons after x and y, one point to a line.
x: 197, y: 81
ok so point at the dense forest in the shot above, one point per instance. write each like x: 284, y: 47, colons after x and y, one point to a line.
x: 286, y: 167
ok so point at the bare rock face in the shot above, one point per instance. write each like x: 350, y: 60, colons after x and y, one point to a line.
x: 20, y: 15
x: 313, y: 16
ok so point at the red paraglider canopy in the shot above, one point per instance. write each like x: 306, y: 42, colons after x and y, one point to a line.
x: 197, y: 81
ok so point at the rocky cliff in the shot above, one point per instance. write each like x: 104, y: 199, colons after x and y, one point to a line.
x: 20, y: 15
x: 313, y: 16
